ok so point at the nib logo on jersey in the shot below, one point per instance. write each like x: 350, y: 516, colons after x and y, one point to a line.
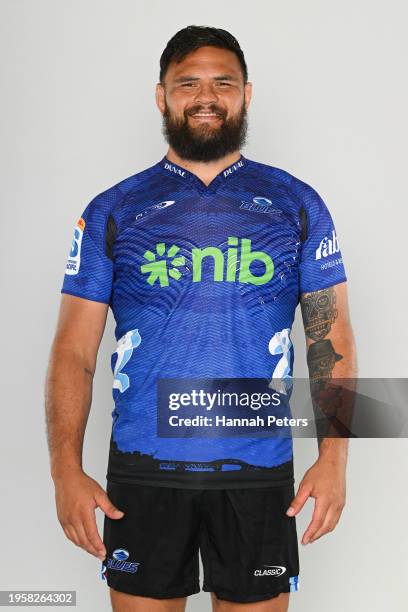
x: 164, y: 263
x: 119, y: 562
x: 328, y: 246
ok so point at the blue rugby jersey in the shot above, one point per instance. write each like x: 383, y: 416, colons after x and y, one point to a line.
x: 203, y: 282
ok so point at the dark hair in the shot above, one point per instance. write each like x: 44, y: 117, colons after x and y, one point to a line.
x: 193, y: 37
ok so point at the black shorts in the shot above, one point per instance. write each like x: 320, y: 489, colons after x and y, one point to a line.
x: 248, y: 544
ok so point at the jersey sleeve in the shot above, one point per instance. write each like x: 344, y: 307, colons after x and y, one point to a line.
x: 321, y: 262
x: 89, y: 270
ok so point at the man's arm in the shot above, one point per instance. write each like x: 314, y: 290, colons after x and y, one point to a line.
x: 68, y: 392
x: 331, y: 356
x: 68, y: 395
x: 332, y: 364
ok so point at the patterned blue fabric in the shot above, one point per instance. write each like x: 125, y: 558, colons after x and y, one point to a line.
x: 204, y: 283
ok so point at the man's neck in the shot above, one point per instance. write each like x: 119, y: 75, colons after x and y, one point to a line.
x: 206, y: 171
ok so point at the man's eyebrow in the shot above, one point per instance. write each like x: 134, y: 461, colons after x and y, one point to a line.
x: 224, y: 77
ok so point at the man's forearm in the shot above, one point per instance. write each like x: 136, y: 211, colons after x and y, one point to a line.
x: 333, y: 400
x: 335, y: 449
x: 68, y: 395
x: 331, y: 359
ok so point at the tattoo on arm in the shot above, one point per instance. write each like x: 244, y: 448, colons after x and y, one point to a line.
x: 319, y: 313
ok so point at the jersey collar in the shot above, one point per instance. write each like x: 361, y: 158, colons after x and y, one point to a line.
x: 175, y: 170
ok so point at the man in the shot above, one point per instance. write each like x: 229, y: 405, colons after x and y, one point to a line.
x: 203, y: 258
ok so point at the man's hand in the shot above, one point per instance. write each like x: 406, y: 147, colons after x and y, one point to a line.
x: 326, y: 482
x: 77, y: 495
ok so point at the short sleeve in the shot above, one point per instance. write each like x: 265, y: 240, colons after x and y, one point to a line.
x: 89, y: 270
x: 321, y: 262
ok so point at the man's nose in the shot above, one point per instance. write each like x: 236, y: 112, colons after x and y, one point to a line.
x: 206, y: 93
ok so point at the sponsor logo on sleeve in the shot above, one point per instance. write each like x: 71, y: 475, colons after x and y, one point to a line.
x: 74, y: 257
x: 328, y: 246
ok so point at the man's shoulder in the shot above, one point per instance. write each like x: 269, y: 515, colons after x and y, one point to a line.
x: 106, y: 200
x: 137, y: 180
x: 297, y: 187
x: 279, y: 174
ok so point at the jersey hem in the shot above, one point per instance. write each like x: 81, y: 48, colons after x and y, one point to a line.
x: 324, y: 286
x: 92, y: 299
x: 278, y: 476
x: 213, y: 486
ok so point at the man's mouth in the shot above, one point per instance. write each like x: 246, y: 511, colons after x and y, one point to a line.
x: 206, y: 115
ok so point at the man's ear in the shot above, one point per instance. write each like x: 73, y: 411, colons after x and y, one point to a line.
x: 247, y: 94
x: 160, y: 97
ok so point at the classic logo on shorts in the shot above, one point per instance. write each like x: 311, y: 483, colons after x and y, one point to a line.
x: 270, y: 570
x: 74, y: 257
x: 164, y: 263
x: 119, y: 561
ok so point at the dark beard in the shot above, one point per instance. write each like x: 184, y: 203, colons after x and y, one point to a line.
x: 205, y: 143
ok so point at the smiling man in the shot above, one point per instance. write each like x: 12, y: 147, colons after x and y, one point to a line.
x: 203, y: 258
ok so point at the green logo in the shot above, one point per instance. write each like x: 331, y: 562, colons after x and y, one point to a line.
x: 158, y: 269
x: 163, y: 263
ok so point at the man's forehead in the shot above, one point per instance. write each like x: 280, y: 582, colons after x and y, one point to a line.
x: 211, y: 60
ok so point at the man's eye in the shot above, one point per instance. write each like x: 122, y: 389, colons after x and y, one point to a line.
x: 188, y: 84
